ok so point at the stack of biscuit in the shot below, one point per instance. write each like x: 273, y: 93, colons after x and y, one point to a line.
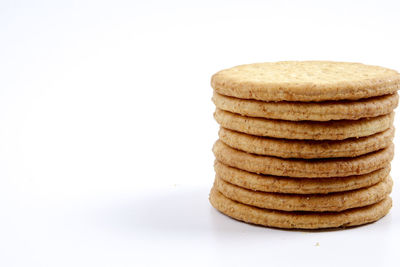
x: 304, y: 145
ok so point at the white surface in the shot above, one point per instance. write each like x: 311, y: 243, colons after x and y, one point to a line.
x: 106, y: 129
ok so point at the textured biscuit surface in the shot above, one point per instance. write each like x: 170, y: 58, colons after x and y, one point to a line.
x: 292, y: 202
x: 332, y: 130
x: 305, y: 81
x: 277, y: 184
x: 299, y: 220
x: 337, y: 167
x: 306, y: 149
x: 313, y: 111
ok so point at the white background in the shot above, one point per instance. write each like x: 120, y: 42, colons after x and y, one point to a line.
x: 106, y: 129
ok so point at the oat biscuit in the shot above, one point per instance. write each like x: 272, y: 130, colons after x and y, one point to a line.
x: 278, y: 184
x: 306, y: 149
x: 299, y: 220
x: 332, y: 130
x: 337, y: 167
x: 315, y: 202
x: 305, y: 81
x: 313, y: 111
x: 304, y: 144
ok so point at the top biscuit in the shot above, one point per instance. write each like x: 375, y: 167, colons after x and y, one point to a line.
x: 305, y: 81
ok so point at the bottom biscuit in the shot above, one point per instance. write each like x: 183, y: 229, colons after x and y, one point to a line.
x: 299, y: 220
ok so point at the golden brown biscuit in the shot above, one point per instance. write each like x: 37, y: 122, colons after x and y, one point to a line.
x: 305, y: 81
x: 299, y: 220
x: 278, y: 184
x: 312, y: 111
x: 306, y: 149
x: 337, y: 167
x: 314, y: 202
x: 332, y: 130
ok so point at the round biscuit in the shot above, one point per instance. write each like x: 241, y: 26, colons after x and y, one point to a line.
x: 312, y: 202
x: 310, y: 130
x: 299, y: 220
x: 306, y: 149
x: 310, y: 111
x: 316, y: 168
x: 278, y: 184
x: 305, y: 81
